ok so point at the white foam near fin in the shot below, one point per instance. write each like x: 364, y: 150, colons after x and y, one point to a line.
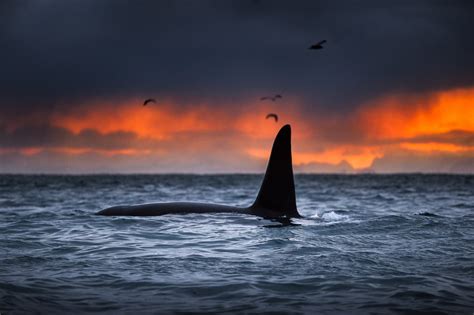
x: 333, y: 216
x: 315, y: 216
x: 330, y: 217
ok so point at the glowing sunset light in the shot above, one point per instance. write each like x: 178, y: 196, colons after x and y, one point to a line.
x: 165, y: 118
x: 398, y: 117
x: 358, y: 158
x: 429, y: 124
x: 78, y: 151
x: 155, y: 121
x: 435, y: 147
x: 367, y: 99
x: 251, y: 121
x: 31, y: 151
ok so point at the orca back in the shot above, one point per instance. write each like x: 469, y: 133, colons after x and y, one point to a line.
x: 275, y: 200
x: 277, y: 193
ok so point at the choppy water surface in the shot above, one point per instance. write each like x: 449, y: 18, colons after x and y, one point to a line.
x: 367, y: 244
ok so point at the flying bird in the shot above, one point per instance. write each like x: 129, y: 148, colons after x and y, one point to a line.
x: 318, y: 45
x: 272, y: 115
x: 271, y: 98
x: 150, y: 100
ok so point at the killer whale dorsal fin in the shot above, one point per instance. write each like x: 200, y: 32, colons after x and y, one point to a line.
x: 277, y: 193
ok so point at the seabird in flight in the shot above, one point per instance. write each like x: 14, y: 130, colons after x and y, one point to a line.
x: 271, y: 98
x: 150, y: 100
x: 272, y: 115
x: 318, y: 45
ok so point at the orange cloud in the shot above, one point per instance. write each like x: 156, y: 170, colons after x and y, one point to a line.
x: 388, y: 124
x: 31, y: 151
x: 435, y: 147
x: 159, y: 121
x: 155, y: 121
x: 399, y: 116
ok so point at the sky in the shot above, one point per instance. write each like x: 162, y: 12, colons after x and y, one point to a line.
x: 391, y: 91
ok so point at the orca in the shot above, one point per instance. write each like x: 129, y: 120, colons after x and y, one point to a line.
x: 275, y: 200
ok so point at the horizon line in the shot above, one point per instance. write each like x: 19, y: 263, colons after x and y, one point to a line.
x: 226, y: 173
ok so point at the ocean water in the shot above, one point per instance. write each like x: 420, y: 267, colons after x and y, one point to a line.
x: 380, y: 244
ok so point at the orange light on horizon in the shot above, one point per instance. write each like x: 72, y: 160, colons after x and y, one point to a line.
x: 109, y: 152
x: 31, y: 151
x: 435, y: 147
x: 381, y: 126
x: 359, y: 158
x: 396, y: 117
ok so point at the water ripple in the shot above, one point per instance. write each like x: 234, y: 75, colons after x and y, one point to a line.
x: 367, y: 244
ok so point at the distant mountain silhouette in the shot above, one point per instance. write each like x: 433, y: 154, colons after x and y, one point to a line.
x: 415, y: 162
x: 325, y: 168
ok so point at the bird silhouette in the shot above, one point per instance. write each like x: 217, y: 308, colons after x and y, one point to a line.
x: 272, y: 115
x: 318, y: 45
x: 271, y: 98
x: 150, y: 100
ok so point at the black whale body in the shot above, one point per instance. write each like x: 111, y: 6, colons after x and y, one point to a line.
x: 276, y: 198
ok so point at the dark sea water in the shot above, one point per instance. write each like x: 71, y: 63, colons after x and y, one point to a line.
x: 399, y: 244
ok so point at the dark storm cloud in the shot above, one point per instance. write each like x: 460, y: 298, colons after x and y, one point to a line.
x: 53, y: 137
x: 352, y: 134
x: 457, y: 137
x: 60, y: 52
